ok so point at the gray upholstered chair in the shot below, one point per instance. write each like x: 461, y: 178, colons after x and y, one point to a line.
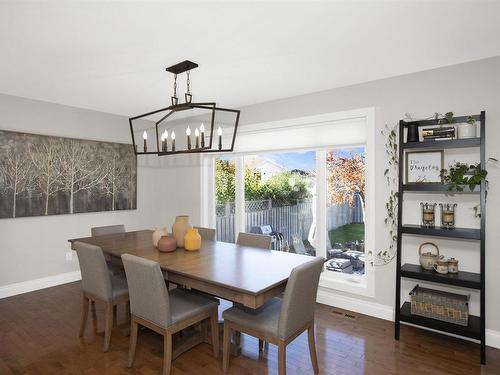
x: 114, y: 265
x: 254, y: 240
x: 280, y: 321
x: 165, y: 312
x: 108, y: 229
x: 206, y: 233
x: 98, y: 285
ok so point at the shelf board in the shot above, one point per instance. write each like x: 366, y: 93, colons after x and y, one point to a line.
x: 473, y: 330
x: 452, y: 143
x: 436, y: 188
x: 465, y: 233
x: 431, y: 122
x: 463, y: 279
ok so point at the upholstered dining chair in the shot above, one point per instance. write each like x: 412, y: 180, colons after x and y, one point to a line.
x: 98, y: 285
x: 114, y: 268
x: 280, y: 321
x: 206, y: 233
x: 165, y: 312
x: 254, y: 240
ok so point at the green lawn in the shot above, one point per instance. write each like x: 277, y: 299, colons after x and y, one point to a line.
x: 348, y: 232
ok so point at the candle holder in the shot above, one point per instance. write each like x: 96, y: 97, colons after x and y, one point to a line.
x: 428, y: 214
x: 448, y: 215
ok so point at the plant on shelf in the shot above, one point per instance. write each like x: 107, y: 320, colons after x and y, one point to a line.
x: 471, y: 120
x: 463, y: 174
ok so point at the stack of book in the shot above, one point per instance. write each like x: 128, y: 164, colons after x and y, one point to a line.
x: 438, y: 134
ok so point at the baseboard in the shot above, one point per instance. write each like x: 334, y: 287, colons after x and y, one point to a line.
x: 384, y: 312
x: 37, y: 284
x: 374, y: 309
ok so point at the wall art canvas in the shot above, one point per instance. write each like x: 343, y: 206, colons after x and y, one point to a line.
x: 424, y: 167
x: 44, y: 175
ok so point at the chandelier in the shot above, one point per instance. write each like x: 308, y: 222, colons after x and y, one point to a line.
x: 205, y: 128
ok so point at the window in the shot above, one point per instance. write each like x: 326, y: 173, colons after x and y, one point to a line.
x: 345, y: 211
x: 305, y: 188
x: 225, y: 199
x: 280, y: 191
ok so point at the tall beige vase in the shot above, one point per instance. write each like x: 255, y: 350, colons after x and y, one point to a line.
x: 179, y: 229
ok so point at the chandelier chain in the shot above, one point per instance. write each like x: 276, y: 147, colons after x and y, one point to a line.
x: 175, y: 85
x: 188, y: 82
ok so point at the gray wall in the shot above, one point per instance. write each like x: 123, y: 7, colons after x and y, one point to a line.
x: 464, y: 89
x: 35, y: 247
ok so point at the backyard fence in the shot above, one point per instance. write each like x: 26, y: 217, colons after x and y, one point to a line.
x: 291, y: 220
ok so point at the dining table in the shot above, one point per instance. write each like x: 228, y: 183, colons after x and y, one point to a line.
x: 245, y: 275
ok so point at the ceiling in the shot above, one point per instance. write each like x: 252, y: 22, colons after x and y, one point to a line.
x: 111, y: 56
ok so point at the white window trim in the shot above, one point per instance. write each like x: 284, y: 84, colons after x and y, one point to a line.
x: 360, y: 285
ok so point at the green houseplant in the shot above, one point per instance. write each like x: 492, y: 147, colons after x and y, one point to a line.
x: 462, y: 175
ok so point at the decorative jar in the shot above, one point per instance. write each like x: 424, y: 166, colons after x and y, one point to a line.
x: 167, y: 244
x: 428, y: 214
x: 447, y: 215
x: 192, y: 240
x: 179, y: 229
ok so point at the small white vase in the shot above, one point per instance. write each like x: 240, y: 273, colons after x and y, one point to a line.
x: 158, y: 233
x: 466, y: 130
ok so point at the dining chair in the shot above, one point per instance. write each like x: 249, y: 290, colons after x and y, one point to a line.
x: 280, y: 321
x: 254, y: 240
x: 206, y: 233
x: 98, y: 285
x: 115, y: 267
x: 165, y: 312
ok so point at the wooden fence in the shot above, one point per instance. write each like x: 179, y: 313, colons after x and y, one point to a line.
x: 292, y: 220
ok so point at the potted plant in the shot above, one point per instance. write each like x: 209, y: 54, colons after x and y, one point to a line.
x: 467, y: 129
x: 462, y: 175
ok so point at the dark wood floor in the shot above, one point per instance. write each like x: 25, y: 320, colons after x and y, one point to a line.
x: 39, y: 335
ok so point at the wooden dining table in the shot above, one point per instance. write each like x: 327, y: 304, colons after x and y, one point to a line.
x: 245, y: 275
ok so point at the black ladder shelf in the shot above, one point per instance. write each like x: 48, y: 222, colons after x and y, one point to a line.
x: 476, y: 328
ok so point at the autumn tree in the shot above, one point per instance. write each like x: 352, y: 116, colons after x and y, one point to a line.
x: 346, y: 178
x: 15, y: 173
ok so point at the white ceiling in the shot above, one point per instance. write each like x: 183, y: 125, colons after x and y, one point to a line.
x: 110, y: 56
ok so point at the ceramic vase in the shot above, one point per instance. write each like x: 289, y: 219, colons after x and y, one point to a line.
x: 179, y: 229
x: 466, y: 130
x: 157, y: 234
x: 192, y: 240
x: 167, y: 244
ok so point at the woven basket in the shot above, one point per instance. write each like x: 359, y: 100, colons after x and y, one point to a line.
x: 444, y: 306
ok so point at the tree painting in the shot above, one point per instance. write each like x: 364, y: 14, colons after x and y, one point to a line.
x: 42, y: 175
x: 346, y: 178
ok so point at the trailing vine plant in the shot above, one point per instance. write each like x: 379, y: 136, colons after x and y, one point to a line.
x: 391, y: 175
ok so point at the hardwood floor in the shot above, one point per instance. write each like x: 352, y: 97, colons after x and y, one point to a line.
x: 39, y: 335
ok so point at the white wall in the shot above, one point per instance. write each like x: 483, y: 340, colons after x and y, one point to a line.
x: 35, y: 247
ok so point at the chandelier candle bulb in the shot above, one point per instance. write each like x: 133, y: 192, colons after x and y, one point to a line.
x: 188, y: 133
x: 145, y: 137
x: 202, y: 135
x: 173, y: 141
x: 197, y: 138
x: 219, y: 133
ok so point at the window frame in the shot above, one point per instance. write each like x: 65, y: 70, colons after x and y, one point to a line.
x: 355, y: 284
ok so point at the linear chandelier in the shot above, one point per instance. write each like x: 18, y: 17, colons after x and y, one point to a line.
x: 206, y: 119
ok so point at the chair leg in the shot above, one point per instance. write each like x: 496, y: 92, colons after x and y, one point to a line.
x: 226, y: 346
x: 167, y: 353
x: 94, y: 316
x: 115, y: 315
x: 85, y: 312
x: 108, y: 327
x: 261, y: 345
x: 134, y: 328
x: 281, y: 358
x: 312, y: 348
x: 214, y: 327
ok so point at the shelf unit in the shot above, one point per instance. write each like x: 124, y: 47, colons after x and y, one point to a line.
x: 476, y: 328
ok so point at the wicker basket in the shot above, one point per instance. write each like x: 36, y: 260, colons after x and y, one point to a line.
x: 436, y: 304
